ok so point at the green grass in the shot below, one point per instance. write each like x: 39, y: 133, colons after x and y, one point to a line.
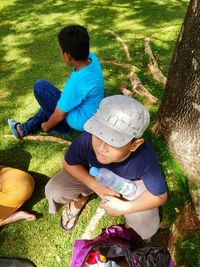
x: 29, y: 51
x: 188, y: 250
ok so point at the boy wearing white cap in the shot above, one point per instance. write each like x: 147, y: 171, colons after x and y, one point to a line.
x: 113, y: 141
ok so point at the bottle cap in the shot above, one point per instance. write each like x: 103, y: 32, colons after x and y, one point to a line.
x: 94, y: 171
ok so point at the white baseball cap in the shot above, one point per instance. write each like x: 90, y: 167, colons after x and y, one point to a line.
x: 118, y: 120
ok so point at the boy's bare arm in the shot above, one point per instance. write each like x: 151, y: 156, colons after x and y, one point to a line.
x: 55, y: 118
x: 146, y: 201
x: 116, y: 207
x: 80, y: 173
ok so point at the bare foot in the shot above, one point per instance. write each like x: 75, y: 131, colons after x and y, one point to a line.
x: 19, y: 131
x: 18, y: 216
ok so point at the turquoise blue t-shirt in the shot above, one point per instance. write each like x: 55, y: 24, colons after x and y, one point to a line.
x: 82, y: 94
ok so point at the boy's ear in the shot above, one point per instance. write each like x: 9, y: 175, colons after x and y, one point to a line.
x: 67, y: 56
x: 138, y: 142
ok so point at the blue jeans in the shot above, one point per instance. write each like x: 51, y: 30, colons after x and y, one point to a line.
x: 47, y: 96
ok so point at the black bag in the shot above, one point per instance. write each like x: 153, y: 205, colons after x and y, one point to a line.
x: 16, y: 263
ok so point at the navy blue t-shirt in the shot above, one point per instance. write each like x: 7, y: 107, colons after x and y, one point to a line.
x: 140, y: 165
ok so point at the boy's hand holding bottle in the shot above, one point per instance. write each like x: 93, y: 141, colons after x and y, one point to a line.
x: 113, y: 206
x: 101, y: 190
x: 114, y: 182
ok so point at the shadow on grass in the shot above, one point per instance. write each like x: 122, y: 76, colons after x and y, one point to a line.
x: 15, y: 157
x: 36, y: 48
x: 177, y: 183
x: 38, y: 193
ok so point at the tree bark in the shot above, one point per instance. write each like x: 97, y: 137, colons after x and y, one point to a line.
x: 178, y: 118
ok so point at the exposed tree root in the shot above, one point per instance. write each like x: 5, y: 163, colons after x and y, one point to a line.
x: 119, y: 39
x: 3, y: 95
x: 138, y: 88
x: 136, y: 85
x: 121, y: 65
x: 153, y: 65
x: 186, y: 221
x: 125, y: 91
x: 41, y: 138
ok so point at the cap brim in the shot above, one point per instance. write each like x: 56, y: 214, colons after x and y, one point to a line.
x: 107, y: 134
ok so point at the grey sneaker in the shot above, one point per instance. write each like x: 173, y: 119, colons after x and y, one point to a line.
x: 12, y: 125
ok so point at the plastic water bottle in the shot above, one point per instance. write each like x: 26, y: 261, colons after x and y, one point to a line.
x: 113, y: 181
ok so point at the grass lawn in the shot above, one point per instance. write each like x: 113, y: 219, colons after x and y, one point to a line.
x: 29, y: 51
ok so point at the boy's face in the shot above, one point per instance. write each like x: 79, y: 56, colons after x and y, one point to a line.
x: 108, y: 154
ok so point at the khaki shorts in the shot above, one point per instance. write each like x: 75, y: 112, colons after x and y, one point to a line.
x: 63, y: 188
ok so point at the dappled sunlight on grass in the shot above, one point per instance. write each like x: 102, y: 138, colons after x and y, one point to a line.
x: 29, y: 51
x: 13, y: 52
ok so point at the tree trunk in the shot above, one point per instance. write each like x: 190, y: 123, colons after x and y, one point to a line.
x: 178, y: 119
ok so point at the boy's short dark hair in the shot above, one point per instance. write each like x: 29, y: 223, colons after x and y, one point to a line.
x: 74, y: 39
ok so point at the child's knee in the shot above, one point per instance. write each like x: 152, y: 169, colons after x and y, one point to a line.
x: 17, y: 186
x: 38, y: 87
x: 145, y: 223
x: 56, y: 194
x: 25, y: 185
x: 50, y: 192
x: 47, y: 191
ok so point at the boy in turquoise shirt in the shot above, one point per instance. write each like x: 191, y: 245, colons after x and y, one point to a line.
x: 83, y: 91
